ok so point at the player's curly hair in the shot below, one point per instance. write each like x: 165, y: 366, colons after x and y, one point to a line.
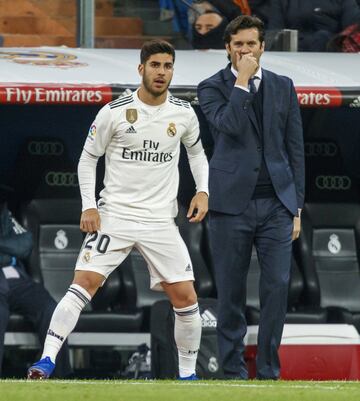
x: 156, y: 46
x: 244, y: 22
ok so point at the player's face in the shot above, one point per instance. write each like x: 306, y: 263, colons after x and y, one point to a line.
x: 244, y: 42
x: 157, y: 73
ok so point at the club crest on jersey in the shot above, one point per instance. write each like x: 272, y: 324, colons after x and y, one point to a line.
x: 86, y: 257
x: 131, y: 115
x: 171, y: 131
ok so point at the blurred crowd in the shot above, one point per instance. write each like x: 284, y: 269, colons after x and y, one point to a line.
x: 321, y: 25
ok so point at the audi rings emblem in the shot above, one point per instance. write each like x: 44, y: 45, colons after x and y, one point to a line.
x: 333, y: 182
x: 61, y: 179
x: 42, y: 148
x: 324, y: 149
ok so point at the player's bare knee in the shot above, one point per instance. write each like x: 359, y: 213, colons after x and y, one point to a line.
x: 184, y: 300
x: 86, y: 285
x: 88, y: 281
x: 191, y: 300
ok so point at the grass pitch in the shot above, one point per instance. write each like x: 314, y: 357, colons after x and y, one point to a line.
x: 159, y: 390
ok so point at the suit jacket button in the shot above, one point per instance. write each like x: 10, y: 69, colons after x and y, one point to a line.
x: 259, y: 149
x: 256, y: 169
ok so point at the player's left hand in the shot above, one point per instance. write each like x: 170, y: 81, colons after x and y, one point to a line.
x: 297, y: 227
x: 199, y: 206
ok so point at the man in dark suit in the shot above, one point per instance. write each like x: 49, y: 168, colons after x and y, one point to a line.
x: 256, y: 192
x: 18, y: 292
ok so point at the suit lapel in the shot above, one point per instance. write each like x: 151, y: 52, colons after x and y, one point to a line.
x: 268, y: 102
x: 230, y: 79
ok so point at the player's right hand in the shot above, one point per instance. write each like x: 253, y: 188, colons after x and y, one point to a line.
x: 90, y: 221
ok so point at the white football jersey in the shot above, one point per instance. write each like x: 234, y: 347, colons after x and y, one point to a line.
x: 141, y: 144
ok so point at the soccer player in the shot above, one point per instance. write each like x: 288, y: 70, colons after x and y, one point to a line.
x: 140, y: 135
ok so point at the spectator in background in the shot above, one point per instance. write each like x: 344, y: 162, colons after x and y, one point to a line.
x: 316, y: 20
x: 18, y: 292
x: 166, y: 10
x: 231, y: 9
x: 225, y: 8
x: 228, y: 8
x: 208, y: 31
x: 347, y: 41
x: 260, y: 8
x: 177, y: 10
x: 198, y: 8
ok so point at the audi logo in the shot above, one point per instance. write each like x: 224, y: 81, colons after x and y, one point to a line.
x: 325, y: 149
x: 333, y: 182
x: 42, y: 148
x: 61, y: 179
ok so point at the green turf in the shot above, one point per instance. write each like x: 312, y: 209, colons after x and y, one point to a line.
x: 57, y: 390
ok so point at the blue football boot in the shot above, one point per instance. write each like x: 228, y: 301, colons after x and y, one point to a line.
x: 41, y: 370
x: 191, y: 377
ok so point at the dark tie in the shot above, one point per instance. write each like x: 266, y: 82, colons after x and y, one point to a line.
x: 252, y: 85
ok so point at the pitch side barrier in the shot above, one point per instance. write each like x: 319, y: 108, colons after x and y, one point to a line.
x: 122, y: 341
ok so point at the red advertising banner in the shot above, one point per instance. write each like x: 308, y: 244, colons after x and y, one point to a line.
x: 319, y: 97
x: 54, y: 94
x: 15, y: 93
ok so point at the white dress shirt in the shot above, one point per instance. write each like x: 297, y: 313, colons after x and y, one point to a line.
x: 257, y: 81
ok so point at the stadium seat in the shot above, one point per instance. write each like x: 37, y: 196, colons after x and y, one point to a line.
x: 329, y: 246
x: 296, y: 311
x: 57, y: 240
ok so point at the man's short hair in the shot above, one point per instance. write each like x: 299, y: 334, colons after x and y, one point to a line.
x: 209, y: 12
x: 155, y: 46
x: 244, y: 22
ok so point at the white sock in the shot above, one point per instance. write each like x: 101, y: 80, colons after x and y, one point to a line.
x: 64, y: 319
x: 187, y: 332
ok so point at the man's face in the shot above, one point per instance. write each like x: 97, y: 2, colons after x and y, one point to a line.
x: 244, y: 42
x: 206, y: 22
x: 157, y: 73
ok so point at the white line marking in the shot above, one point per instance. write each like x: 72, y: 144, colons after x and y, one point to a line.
x: 318, y: 386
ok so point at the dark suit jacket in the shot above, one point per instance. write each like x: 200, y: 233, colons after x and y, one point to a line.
x: 234, y: 167
x: 14, y: 242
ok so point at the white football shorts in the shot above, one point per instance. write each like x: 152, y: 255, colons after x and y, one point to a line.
x: 159, y: 243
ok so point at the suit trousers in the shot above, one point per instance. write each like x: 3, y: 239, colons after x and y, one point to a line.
x: 25, y: 297
x: 267, y: 225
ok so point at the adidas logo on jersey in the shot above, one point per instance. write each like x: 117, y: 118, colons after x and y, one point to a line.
x: 131, y: 130
x: 208, y: 319
x: 188, y: 268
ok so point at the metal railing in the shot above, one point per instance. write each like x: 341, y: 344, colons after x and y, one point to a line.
x: 85, y: 23
x: 284, y: 40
